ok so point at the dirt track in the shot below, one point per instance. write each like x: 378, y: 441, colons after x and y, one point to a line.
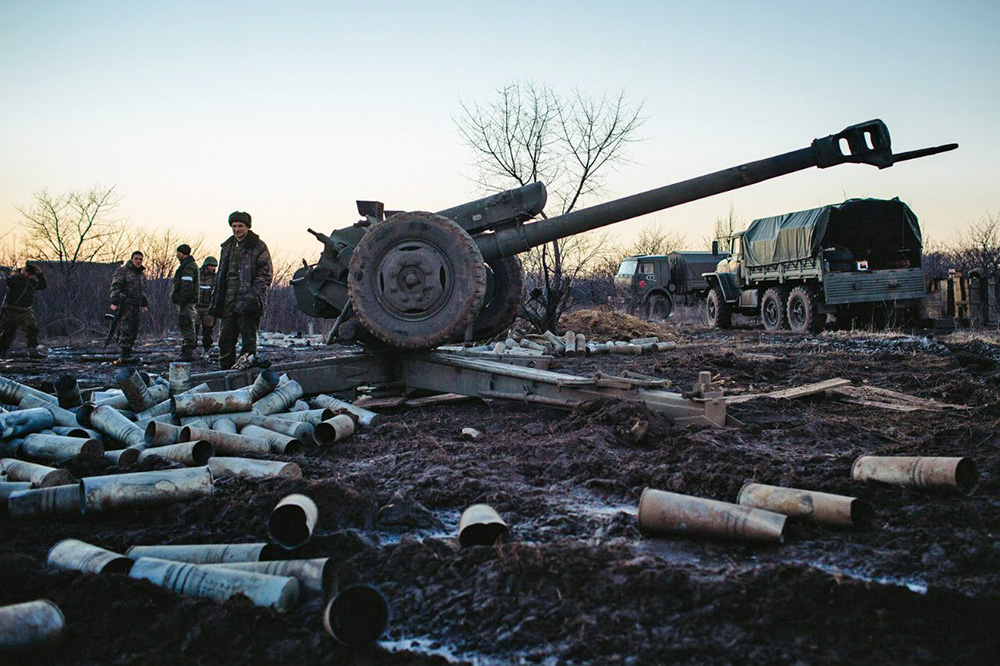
x: 577, y: 582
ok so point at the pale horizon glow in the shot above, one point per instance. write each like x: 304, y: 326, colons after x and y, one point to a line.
x: 294, y: 111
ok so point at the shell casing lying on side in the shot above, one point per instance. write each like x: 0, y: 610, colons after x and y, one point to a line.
x: 481, y: 525
x: 75, y: 555
x: 278, y: 592
x: 925, y: 472
x: 143, y: 489
x: 820, y: 508
x: 226, y: 443
x: 29, y: 624
x: 292, y: 521
x: 205, y: 553
x: 248, y: 468
x: 53, y: 502
x: 662, y: 512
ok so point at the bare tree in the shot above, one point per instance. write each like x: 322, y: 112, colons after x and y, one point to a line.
x: 79, y: 226
x: 725, y: 226
x: 529, y: 132
x: 654, y: 240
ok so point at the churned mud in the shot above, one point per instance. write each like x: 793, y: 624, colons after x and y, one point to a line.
x: 577, y: 582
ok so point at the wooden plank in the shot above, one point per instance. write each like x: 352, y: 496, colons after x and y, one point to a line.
x: 866, y: 393
x: 795, y: 392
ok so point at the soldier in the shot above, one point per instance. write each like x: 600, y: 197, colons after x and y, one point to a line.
x: 185, y: 295
x: 17, y: 311
x: 241, y: 292
x: 205, y: 321
x: 128, y: 293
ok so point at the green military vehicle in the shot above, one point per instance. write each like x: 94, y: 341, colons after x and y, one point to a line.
x: 651, y: 284
x: 857, y: 260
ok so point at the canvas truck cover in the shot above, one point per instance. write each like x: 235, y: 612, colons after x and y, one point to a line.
x: 855, y: 222
x: 689, y: 266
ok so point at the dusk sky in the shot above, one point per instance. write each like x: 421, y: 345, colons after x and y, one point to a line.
x: 294, y: 110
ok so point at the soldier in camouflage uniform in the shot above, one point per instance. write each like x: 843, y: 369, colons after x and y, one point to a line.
x: 17, y: 311
x: 241, y: 293
x: 205, y: 321
x: 128, y: 293
x: 185, y: 295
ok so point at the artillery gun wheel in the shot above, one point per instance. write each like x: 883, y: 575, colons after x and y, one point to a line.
x: 417, y: 280
x: 504, y: 294
x: 773, y: 309
x: 803, y: 311
x: 658, y: 307
x: 720, y: 315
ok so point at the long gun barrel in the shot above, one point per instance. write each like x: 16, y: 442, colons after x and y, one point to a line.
x: 865, y: 143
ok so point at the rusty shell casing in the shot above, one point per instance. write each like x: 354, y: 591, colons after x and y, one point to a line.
x: 298, y: 429
x: 226, y: 444
x: 74, y: 555
x: 299, y: 406
x: 68, y: 392
x: 278, y: 592
x: 55, y: 447
x: 76, y: 431
x: 225, y: 425
x: 581, y: 344
x: 811, y: 505
x: 312, y: 416
x: 12, y: 392
x: 334, y: 429
x: 357, y: 616
x: 143, y: 489
x: 60, y: 416
x: 25, y: 421
x: 956, y: 473
x: 208, y: 420
x: 113, y: 397
x: 292, y: 521
x: 122, y: 457
x: 662, y: 512
x: 30, y: 624
x: 179, y: 377
x: 278, y: 442
x: 162, y: 408
x: 39, y: 476
x: 481, y: 525
x: 135, y: 389
x: 365, y: 417
x: 158, y: 433
x: 316, y: 577
x: 279, y: 399
x: 205, y: 553
x: 193, y: 454
x: 217, y: 402
x: 248, y: 468
x: 111, y: 423
x: 265, y: 383
x: 53, y: 502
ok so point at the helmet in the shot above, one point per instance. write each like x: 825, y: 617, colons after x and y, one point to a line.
x: 210, y: 261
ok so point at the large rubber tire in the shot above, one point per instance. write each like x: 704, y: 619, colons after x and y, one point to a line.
x: 803, y: 311
x: 658, y: 307
x: 504, y: 297
x: 773, y: 309
x: 417, y: 280
x: 718, y: 312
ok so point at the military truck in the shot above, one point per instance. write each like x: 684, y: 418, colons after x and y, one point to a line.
x: 857, y: 260
x: 652, y: 284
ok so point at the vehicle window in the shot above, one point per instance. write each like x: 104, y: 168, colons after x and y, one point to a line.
x: 628, y: 267
x: 738, y: 246
x: 647, y: 267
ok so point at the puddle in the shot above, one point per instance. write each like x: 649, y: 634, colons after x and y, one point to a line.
x: 425, y: 645
x: 912, y: 584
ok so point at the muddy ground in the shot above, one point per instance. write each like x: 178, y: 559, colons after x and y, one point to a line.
x: 577, y: 582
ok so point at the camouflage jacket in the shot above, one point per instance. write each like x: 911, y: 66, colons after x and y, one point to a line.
x: 128, y: 286
x: 21, y: 290
x: 185, y: 289
x: 205, y: 286
x: 254, y: 268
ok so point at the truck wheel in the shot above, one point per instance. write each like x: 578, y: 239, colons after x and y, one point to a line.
x: 658, y: 307
x: 803, y: 311
x: 773, y: 309
x: 720, y: 315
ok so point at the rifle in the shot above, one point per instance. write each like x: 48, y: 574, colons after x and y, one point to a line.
x: 114, y: 317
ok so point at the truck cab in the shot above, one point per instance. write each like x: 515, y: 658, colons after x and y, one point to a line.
x: 652, y: 284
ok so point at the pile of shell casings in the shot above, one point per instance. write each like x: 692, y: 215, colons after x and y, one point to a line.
x: 572, y: 344
x: 207, y: 432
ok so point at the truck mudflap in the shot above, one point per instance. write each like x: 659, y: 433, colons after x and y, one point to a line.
x: 727, y: 283
x: 873, y: 286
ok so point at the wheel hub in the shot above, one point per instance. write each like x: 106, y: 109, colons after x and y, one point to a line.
x: 414, y: 279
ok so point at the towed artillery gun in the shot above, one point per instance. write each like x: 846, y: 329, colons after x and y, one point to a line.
x: 416, y: 280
